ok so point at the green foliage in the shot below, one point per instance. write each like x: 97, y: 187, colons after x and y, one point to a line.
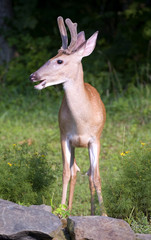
x: 128, y: 52
x: 25, y: 176
x: 62, y: 211
x: 141, y: 224
x: 130, y: 185
x: 135, y: 103
x: 32, y: 54
x: 28, y: 169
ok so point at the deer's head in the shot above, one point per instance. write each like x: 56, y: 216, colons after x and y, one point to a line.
x: 65, y: 64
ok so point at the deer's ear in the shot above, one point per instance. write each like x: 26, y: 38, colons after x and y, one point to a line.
x: 87, y: 48
x: 80, y: 40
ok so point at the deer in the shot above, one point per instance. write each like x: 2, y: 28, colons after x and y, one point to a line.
x: 82, y: 113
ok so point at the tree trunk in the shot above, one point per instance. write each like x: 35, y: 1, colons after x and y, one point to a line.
x: 6, y: 52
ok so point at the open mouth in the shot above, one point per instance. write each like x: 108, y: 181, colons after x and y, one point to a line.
x: 34, y: 78
x: 41, y: 85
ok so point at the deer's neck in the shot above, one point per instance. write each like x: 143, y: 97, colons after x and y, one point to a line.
x: 76, y: 94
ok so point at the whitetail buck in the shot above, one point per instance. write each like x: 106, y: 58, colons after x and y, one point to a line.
x: 82, y: 114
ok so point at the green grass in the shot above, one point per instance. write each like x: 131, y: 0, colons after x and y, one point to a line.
x: 29, y: 140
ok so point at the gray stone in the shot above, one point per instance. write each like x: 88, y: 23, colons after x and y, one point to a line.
x: 42, y: 207
x: 143, y: 236
x: 99, y: 228
x: 27, y: 223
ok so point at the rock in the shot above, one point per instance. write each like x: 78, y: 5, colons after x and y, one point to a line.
x: 143, y: 236
x: 38, y: 223
x: 42, y: 207
x: 99, y: 228
x: 27, y: 223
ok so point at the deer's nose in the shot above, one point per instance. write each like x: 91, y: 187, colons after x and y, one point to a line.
x: 33, y: 77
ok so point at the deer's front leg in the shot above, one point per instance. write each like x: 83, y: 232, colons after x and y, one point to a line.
x: 66, y: 156
x: 70, y: 169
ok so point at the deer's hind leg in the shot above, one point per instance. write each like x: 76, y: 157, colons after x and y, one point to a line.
x: 94, y: 175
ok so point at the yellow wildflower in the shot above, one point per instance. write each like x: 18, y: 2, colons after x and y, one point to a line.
x: 124, y: 153
x: 10, y: 164
x: 127, y: 152
x: 142, y: 143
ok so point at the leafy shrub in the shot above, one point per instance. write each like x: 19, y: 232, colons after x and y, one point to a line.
x: 129, y: 186
x: 25, y: 176
x: 140, y: 224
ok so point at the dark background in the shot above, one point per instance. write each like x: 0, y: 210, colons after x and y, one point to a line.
x: 29, y: 36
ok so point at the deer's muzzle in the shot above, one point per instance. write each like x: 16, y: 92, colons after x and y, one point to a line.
x: 34, y: 77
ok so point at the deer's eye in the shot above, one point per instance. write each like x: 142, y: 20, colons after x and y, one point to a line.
x: 59, y: 61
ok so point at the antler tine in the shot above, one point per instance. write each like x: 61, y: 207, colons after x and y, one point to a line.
x: 63, y: 33
x: 73, y: 31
